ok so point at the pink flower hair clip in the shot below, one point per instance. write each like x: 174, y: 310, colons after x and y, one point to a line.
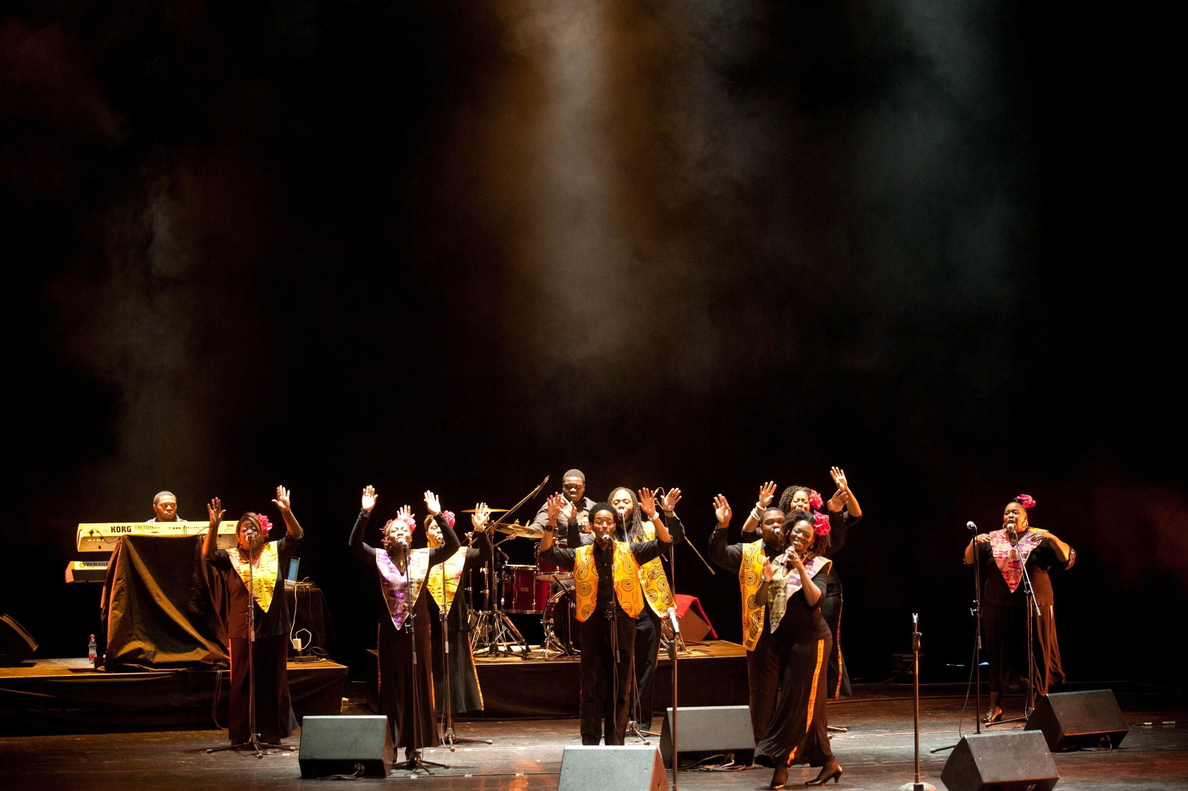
x: 265, y: 524
x: 815, y: 501
x: 1026, y: 500
x: 821, y: 524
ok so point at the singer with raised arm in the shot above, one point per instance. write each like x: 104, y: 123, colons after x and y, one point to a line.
x: 398, y: 573
x: 1008, y: 557
x: 253, y: 572
x: 842, y: 513
x: 443, y: 584
x: 609, y: 599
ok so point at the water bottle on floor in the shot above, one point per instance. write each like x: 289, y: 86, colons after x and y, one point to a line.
x: 92, y: 651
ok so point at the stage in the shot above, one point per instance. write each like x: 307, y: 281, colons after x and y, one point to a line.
x: 876, y: 753
x: 68, y: 696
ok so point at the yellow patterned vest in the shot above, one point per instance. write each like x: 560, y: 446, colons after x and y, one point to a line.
x: 655, y: 585
x: 750, y: 574
x: 624, y: 571
x: 263, y: 572
x: 453, y: 572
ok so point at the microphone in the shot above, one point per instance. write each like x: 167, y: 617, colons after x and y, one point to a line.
x: 971, y: 526
x: 400, y: 540
x: 676, y: 625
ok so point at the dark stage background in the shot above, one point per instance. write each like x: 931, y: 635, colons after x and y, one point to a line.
x: 464, y: 245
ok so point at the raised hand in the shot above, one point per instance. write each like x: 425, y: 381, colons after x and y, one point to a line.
x: 432, y: 503
x: 480, y: 516
x: 215, y: 510
x: 405, y: 514
x: 369, y: 498
x: 555, y: 503
x: 839, y: 478
x: 669, y: 501
x: 647, y: 503
x: 766, y: 494
x: 283, y: 501
x: 722, y: 511
x: 839, y: 500
x: 768, y: 570
x: 569, y: 511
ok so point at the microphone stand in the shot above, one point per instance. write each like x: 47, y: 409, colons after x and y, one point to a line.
x: 448, y: 737
x: 258, y: 747
x: 414, y: 763
x: 976, y: 612
x: 1032, y: 612
x: 916, y: 786
x: 633, y: 723
x: 672, y: 654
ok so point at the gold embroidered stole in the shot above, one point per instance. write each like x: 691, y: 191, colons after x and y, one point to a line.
x: 655, y: 584
x: 750, y: 574
x: 453, y: 573
x: 624, y: 573
x: 785, y: 583
x: 400, y: 589
x: 262, y: 572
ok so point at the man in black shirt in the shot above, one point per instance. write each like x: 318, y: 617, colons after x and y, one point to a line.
x: 609, y: 598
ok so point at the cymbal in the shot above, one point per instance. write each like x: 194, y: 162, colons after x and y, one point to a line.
x: 489, y: 510
x: 521, y: 531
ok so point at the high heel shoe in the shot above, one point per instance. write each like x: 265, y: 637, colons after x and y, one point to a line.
x: 830, y: 771
x: 992, y: 716
x: 780, y: 777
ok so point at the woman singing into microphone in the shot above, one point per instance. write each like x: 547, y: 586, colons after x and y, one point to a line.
x: 1005, y: 555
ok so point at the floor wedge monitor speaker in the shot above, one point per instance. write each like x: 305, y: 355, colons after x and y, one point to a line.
x: 1071, y: 720
x: 1006, y: 761
x: 612, y: 768
x: 703, y: 731
x: 345, y: 745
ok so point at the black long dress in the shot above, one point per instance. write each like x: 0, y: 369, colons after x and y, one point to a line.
x: 798, y: 729
x: 274, y: 706
x: 1004, y: 622
x: 405, y: 688
x: 465, y: 694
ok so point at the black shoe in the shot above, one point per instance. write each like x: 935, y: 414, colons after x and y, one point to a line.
x: 780, y: 777
x: 830, y: 771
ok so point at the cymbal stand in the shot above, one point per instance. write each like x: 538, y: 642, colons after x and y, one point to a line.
x: 495, y: 632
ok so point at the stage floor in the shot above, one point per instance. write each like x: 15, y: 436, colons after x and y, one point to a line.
x: 876, y: 754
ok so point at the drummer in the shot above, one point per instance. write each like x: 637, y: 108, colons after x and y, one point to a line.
x: 573, y: 489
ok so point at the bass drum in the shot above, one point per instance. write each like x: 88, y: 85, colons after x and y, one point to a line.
x: 559, y: 614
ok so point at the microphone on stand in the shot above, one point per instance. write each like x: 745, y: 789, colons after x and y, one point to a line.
x: 971, y: 526
x: 676, y: 625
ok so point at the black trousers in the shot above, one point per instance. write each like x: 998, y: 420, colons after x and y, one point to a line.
x: 797, y: 731
x: 274, y: 708
x: 607, y: 650
x: 647, y: 648
x: 838, y: 683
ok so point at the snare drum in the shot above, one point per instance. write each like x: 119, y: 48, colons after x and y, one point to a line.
x: 522, y: 592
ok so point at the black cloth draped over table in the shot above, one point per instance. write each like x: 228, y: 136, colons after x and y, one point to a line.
x: 165, y: 609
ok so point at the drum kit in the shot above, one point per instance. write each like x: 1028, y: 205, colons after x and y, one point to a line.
x: 541, y: 589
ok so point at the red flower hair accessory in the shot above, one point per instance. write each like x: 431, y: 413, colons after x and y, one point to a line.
x: 821, y: 524
x: 265, y: 525
x: 816, y: 502
x: 1026, y: 500
x: 450, y: 518
x: 407, y: 520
